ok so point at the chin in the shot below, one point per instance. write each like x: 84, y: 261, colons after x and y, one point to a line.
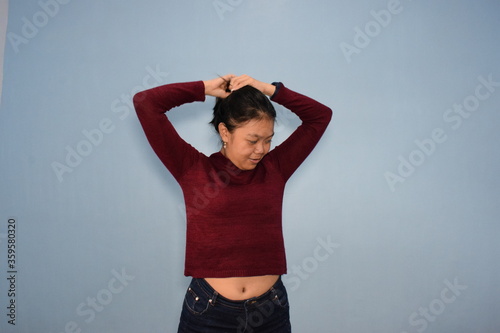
x: 249, y: 166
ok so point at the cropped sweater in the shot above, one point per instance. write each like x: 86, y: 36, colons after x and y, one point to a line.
x: 234, y: 225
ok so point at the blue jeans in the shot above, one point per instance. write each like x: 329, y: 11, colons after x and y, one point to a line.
x: 205, y: 311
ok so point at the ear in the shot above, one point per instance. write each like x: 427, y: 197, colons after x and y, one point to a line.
x: 224, y: 132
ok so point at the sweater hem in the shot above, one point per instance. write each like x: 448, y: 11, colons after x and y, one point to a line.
x: 233, y: 273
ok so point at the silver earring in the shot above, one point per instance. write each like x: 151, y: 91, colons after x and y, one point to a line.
x: 225, y: 145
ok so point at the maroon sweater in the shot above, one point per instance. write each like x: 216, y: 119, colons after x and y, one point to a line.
x: 233, y: 216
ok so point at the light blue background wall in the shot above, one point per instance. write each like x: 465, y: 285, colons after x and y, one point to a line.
x: 412, y: 248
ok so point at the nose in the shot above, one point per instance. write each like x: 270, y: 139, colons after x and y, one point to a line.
x: 259, y: 148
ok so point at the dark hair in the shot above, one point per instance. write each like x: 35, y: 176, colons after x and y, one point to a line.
x: 240, y: 106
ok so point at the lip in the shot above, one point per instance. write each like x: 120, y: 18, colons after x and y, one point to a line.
x: 255, y: 160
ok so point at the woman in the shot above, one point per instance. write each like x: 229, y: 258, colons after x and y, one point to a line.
x: 234, y: 247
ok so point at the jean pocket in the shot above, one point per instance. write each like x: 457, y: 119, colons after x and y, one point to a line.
x: 280, y: 298
x: 197, y: 305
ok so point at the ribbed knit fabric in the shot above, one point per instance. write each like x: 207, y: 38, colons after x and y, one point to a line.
x: 233, y: 216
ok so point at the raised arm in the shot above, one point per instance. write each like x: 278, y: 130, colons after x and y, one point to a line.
x: 175, y: 153
x: 315, y: 119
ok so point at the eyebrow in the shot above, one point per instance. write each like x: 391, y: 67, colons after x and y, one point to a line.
x: 258, y: 136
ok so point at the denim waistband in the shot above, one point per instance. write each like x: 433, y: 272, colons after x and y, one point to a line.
x: 216, y: 298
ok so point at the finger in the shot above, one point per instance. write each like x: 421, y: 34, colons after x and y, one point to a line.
x: 227, y: 77
x: 238, y: 85
x: 240, y: 81
x: 222, y: 83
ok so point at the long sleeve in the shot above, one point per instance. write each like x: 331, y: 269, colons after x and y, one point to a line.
x: 175, y: 153
x: 315, y: 118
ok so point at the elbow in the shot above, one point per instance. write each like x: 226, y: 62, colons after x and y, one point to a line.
x: 141, y: 102
x: 138, y: 99
x: 328, y: 114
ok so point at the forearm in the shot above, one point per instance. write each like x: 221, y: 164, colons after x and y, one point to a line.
x: 267, y: 88
x: 307, y: 109
x: 163, y: 98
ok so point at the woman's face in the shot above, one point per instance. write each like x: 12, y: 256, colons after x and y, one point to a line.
x: 248, y: 143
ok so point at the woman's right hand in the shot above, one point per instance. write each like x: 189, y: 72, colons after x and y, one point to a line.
x: 218, y: 87
x: 244, y: 80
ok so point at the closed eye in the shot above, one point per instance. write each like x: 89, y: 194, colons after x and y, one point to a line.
x: 255, y: 142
